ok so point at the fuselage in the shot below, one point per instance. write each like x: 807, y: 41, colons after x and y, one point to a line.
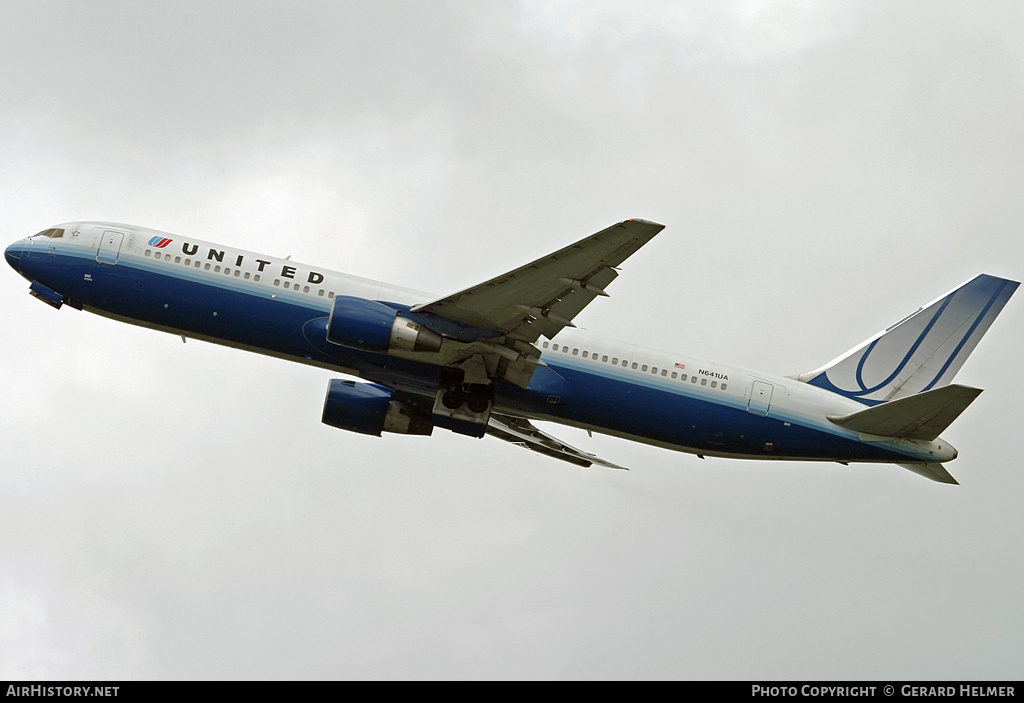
x: 275, y: 306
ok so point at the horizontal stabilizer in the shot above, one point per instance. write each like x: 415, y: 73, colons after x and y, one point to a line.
x: 922, y: 416
x: 936, y: 472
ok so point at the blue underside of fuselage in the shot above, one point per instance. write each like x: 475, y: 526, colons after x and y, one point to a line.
x: 249, y: 316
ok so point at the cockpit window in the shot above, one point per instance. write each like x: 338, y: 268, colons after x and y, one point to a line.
x: 51, y: 233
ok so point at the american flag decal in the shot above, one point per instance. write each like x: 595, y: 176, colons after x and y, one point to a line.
x: 680, y: 366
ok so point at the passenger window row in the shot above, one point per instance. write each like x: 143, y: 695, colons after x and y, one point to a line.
x: 228, y: 271
x: 625, y: 363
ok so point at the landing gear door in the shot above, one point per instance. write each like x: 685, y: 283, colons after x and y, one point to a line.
x: 110, y: 246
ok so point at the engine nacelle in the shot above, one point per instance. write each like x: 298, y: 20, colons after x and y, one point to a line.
x: 367, y: 324
x: 368, y: 409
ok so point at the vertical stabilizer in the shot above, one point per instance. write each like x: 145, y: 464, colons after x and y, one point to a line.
x: 920, y: 352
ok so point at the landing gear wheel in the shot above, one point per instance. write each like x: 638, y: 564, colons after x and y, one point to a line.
x: 452, y: 399
x: 479, y: 398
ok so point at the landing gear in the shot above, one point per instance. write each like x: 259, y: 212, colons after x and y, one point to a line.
x: 479, y: 399
x: 462, y: 407
x: 451, y: 389
x: 452, y: 399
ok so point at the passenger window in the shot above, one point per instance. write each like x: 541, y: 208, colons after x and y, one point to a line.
x: 673, y: 374
x: 554, y: 348
x: 575, y: 351
x: 634, y: 364
x: 305, y: 289
x: 277, y: 281
x: 177, y: 259
x: 246, y: 275
x: 664, y: 372
x: 584, y: 355
x: 188, y: 262
x: 615, y: 361
x: 216, y: 269
x: 545, y: 345
x: 723, y: 386
x: 693, y: 380
x: 238, y: 273
x: 207, y: 267
x: 714, y: 384
x: 643, y: 368
x: 148, y: 252
x: 703, y: 381
x: 604, y: 358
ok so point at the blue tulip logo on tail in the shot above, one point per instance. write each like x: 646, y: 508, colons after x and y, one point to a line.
x: 920, y: 352
x: 159, y: 242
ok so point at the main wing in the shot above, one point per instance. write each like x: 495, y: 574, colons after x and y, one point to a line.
x: 537, y: 299
x: 544, y: 296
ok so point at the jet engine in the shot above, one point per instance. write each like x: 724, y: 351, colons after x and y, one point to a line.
x: 367, y: 324
x: 369, y: 409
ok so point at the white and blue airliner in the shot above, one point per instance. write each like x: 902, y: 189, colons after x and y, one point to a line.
x: 493, y: 358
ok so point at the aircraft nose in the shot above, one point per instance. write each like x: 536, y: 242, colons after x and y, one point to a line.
x: 13, y: 256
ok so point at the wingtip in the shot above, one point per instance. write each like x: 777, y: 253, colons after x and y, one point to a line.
x: 641, y: 221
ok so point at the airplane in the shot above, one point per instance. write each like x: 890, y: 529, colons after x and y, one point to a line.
x: 495, y: 357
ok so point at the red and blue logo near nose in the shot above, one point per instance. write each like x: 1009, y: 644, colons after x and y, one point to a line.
x: 159, y: 242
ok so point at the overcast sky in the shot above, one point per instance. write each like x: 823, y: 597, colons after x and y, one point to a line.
x: 823, y: 168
